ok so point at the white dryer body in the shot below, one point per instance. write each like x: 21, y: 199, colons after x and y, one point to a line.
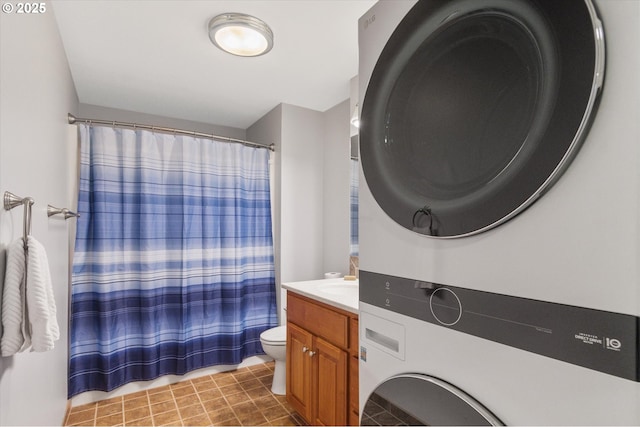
x: 578, y: 246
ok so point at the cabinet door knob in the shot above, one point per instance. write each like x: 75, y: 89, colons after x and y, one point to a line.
x: 311, y: 353
x: 304, y: 349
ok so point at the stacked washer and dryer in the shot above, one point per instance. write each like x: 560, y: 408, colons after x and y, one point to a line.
x: 500, y: 212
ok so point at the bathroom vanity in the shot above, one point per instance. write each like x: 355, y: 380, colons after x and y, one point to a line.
x: 322, y: 350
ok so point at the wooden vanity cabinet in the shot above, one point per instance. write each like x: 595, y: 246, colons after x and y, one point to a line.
x: 354, y: 363
x: 321, y: 381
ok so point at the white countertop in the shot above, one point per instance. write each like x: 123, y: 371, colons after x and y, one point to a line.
x: 339, y: 293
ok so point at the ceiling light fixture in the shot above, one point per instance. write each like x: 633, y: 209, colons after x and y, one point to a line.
x: 240, y: 34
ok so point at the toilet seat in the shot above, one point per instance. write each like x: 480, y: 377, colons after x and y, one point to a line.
x: 275, y: 336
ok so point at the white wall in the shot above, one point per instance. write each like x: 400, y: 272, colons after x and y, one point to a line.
x: 311, y: 196
x: 37, y: 93
x: 301, y: 189
x: 336, y: 181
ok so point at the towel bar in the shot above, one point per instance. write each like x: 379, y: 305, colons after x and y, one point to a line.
x: 11, y: 201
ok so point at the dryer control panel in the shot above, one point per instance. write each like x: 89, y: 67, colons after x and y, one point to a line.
x: 595, y: 339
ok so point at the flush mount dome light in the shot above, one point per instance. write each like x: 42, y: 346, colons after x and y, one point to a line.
x: 240, y: 34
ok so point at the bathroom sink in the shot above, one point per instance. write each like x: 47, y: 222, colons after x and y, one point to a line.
x: 340, y: 293
x: 339, y: 289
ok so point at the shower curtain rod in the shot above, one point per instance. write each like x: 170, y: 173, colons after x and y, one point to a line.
x: 73, y: 119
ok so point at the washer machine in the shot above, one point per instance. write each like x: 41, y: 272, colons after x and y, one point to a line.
x: 499, y: 212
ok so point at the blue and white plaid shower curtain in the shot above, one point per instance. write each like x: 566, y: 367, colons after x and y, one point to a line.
x: 173, y: 267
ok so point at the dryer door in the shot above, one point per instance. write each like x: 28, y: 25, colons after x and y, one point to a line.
x: 413, y: 399
x: 475, y: 108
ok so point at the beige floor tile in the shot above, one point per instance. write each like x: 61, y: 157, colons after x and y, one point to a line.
x: 163, y: 396
x: 167, y: 406
x: 137, y: 413
x: 249, y: 384
x: 111, y: 401
x: 254, y: 419
x: 82, y: 417
x: 166, y: 418
x: 266, y: 402
x: 136, y: 402
x: 275, y: 412
x: 261, y: 371
x: 243, y: 376
x: 141, y: 422
x: 106, y: 410
x: 215, y: 404
x: 203, y: 378
x: 205, y: 385
x: 245, y: 408
x: 191, y: 411
x: 266, y: 381
x: 225, y: 379
x: 187, y: 400
x: 230, y: 422
x: 183, y: 391
x: 218, y: 416
x: 110, y: 420
x: 231, y: 389
x: 239, y: 397
x: 199, y: 420
x: 210, y: 394
x: 257, y: 393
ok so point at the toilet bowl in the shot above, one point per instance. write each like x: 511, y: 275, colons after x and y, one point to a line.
x: 274, y: 344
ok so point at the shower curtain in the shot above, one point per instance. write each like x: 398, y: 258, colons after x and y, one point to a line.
x: 173, y: 267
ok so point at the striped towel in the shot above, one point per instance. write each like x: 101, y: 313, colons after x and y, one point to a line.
x: 15, y: 333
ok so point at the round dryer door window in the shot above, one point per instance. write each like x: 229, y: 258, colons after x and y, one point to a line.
x: 413, y: 399
x: 475, y: 108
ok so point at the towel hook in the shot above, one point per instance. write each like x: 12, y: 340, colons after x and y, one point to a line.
x: 52, y: 210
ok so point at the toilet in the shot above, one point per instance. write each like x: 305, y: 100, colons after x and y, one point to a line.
x: 274, y: 344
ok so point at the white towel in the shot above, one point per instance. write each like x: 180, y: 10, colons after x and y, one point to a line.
x: 15, y: 331
x: 41, y: 305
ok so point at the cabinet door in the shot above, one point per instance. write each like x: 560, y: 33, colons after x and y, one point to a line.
x: 299, y: 344
x: 353, y: 390
x: 330, y: 378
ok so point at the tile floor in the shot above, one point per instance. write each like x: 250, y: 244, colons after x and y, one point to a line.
x: 240, y: 398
